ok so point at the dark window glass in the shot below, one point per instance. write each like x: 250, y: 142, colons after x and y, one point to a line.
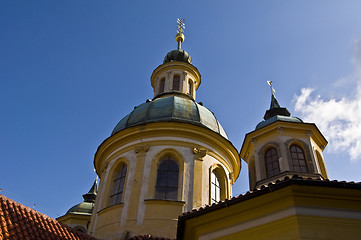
x: 176, y: 82
x: 118, y: 183
x: 161, y: 86
x: 167, y: 180
x: 298, y: 159
x: 272, y: 164
x: 215, y: 187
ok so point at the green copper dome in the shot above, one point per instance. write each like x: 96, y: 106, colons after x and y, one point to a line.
x: 171, y: 108
x: 178, y: 55
x: 86, y: 207
x: 277, y: 113
x: 278, y: 118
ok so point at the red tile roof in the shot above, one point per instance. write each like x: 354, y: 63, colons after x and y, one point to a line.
x: 20, y: 222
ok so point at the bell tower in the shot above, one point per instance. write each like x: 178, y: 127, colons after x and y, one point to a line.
x: 281, y: 146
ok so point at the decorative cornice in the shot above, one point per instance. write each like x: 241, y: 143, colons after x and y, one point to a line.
x: 141, y: 147
x: 199, y: 153
x: 231, y: 177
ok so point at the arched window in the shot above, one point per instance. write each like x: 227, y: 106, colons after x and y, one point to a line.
x: 215, y: 187
x: 167, y: 179
x: 272, y: 164
x: 161, y: 85
x: 190, y: 87
x: 298, y: 159
x: 118, y: 184
x: 176, y: 82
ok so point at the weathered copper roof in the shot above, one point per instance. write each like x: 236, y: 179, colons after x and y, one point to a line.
x: 178, y: 55
x: 171, y: 108
x: 20, y: 222
x: 276, y: 113
x: 86, y: 207
x: 278, y: 118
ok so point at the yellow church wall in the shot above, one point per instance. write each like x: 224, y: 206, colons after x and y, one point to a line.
x: 299, y: 227
x: 283, y: 229
x: 240, y: 213
x: 327, y: 197
x: 274, y: 131
x: 168, y: 70
x: 209, y: 164
x: 318, y: 156
x: 106, y: 223
x: 109, y: 216
x: 281, y: 135
x: 292, y: 212
x: 191, y: 134
x: 75, y: 220
x: 196, y: 151
x: 311, y: 227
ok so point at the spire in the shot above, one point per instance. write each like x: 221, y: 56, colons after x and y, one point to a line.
x: 179, y: 54
x: 274, y: 102
x: 92, y: 194
x: 275, y: 108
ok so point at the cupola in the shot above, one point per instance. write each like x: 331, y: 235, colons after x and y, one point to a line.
x: 282, y: 145
x: 176, y: 75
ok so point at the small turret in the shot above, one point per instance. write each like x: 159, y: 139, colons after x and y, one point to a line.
x: 78, y: 216
x: 282, y: 145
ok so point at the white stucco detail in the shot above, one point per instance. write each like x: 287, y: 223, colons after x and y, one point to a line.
x: 131, y: 156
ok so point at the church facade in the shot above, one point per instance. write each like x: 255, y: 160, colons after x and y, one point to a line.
x: 170, y: 157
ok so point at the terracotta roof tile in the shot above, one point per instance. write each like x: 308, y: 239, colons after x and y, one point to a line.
x: 20, y: 222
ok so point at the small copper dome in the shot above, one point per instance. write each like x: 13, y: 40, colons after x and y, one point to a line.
x: 178, y: 55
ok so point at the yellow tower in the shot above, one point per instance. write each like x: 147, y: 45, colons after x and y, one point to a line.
x: 169, y: 155
x: 281, y: 146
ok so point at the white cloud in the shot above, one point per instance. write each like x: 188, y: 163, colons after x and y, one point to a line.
x: 338, y: 119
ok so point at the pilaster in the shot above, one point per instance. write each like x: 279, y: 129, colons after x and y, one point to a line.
x: 199, y: 154
x: 141, y: 151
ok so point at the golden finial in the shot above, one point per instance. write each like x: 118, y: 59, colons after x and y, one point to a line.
x: 180, y: 29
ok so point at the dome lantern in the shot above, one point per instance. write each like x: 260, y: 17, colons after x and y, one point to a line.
x: 176, y: 75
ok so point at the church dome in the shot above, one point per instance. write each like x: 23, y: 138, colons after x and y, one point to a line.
x: 171, y: 108
x: 278, y: 118
x: 178, y: 55
x: 85, y: 208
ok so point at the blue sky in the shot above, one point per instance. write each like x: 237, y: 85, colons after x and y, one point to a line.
x: 70, y: 70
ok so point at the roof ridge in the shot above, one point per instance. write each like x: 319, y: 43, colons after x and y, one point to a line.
x: 29, y: 209
x: 18, y: 220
